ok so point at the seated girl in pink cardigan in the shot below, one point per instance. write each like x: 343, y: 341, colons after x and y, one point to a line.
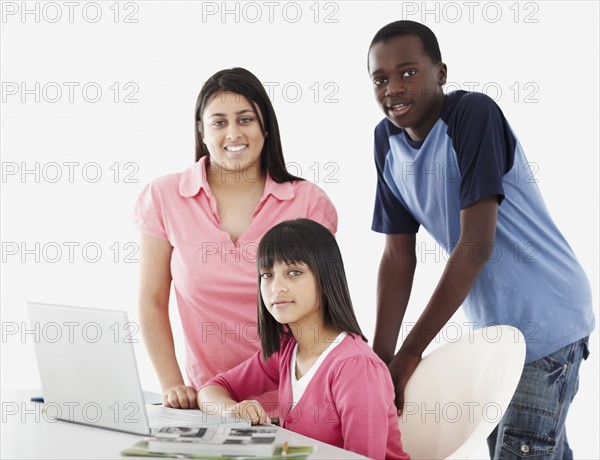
x: 332, y: 387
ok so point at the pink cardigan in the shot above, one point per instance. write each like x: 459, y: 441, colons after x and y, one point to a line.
x: 349, y: 402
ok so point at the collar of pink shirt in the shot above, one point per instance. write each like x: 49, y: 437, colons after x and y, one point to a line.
x: 194, y: 179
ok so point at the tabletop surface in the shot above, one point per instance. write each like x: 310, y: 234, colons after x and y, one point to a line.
x: 27, y: 432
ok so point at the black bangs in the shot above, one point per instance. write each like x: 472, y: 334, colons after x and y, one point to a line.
x: 285, y: 244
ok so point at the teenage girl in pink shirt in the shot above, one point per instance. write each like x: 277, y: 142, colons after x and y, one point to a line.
x: 332, y: 386
x: 200, y: 230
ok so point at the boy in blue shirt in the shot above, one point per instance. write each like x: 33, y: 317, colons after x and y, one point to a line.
x: 446, y: 162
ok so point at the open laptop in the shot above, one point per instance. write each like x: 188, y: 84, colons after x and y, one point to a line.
x: 89, y: 375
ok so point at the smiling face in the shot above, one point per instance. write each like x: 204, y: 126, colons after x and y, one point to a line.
x: 232, y: 133
x: 291, y: 295
x: 407, y: 84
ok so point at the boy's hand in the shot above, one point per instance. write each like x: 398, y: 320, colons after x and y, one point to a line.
x: 401, y: 368
x: 251, y: 411
x: 180, y: 397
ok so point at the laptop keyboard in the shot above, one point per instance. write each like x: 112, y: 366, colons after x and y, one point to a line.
x: 167, y: 416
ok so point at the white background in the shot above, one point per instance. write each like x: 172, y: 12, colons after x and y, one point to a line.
x: 539, y: 60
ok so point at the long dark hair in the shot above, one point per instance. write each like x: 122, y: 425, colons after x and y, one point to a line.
x: 308, y: 242
x: 245, y: 83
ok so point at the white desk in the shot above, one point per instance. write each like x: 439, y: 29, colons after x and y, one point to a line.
x: 27, y: 433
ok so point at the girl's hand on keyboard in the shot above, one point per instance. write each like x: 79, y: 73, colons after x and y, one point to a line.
x: 180, y: 397
x: 252, y: 411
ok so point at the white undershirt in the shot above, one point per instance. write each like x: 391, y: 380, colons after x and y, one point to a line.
x: 299, y: 385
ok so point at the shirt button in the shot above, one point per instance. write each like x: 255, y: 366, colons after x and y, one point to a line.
x: 525, y: 448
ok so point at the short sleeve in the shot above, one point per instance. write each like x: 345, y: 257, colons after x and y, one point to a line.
x: 250, y: 378
x: 148, y: 216
x: 389, y: 214
x: 322, y: 210
x: 484, y: 146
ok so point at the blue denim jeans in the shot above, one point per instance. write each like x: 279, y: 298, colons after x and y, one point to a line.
x: 534, y: 423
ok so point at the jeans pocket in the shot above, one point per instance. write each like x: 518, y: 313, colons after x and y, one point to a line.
x: 519, y: 444
x: 540, y: 388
